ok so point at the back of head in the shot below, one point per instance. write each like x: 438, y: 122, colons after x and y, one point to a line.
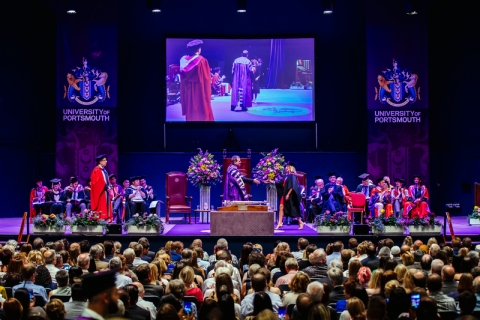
x: 261, y: 301
x: 434, y: 282
x: 12, y: 309
x: 177, y: 288
x: 319, y: 311
x: 77, y: 292
x: 167, y: 311
x: 303, y: 243
x: 420, y: 279
x: 356, y: 308
x: 427, y: 309
x: 337, y: 246
x: 55, y: 309
x: 371, y: 249
x: 227, y: 306
x: 304, y: 303
x: 22, y: 295
x: 142, y: 271
x: 266, y: 315
x: 467, y: 302
x: 132, y: 291
x: 315, y: 289
x: 336, y: 276
x: 259, y: 282
x: 377, y: 308
x: 28, y: 270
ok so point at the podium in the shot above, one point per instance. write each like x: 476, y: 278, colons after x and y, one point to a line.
x: 243, y: 218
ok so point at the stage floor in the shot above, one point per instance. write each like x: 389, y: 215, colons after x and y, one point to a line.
x: 179, y: 227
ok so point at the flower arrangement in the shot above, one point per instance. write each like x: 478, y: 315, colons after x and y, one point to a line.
x: 52, y: 221
x: 338, y: 219
x: 88, y: 218
x: 429, y: 220
x: 296, y: 85
x: 270, y: 167
x: 152, y: 220
x: 204, y: 170
x: 475, y: 213
x: 378, y: 224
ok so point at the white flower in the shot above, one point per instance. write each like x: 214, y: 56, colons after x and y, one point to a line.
x: 135, y: 215
x: 149, y: 215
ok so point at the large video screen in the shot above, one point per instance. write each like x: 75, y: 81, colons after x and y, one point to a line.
x: 240, y: 80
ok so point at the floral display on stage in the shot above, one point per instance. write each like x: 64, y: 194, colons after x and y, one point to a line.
x: 426, y: 221
x: 139, y: 221
x: 270, y: 167
x: 87, y: 218
x: 378, y: 224
x: 49, y: 221
x: 337, y: 219
x: 475, y: 213
x: 204, y: 170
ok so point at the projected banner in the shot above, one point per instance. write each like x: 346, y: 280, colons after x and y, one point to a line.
x: 86, y: 98
x: 397, y: 97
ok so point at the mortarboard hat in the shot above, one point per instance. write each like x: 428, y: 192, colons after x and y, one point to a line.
x: 331, y: 174
x: 96, y: 283
x: 39, y: 178
x: 245, y: 52
x: 380, y: 179
x: 55, y: 181
x: 113, y: 175
x: 318, y: 177
x: 134, y: 178
x: 194, y: 43
x: 417, y: 176
x: 399, y: 180
x: 364, y: 176
x: 73, y: 179
x: 100, y: 157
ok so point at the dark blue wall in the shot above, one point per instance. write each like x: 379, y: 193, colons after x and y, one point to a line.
x: 28, y: 91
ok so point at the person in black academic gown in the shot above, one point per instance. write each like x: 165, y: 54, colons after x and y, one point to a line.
x: 54, y: 198
x: 290, y: 196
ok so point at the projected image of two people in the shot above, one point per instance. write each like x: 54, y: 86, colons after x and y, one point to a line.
x: 240, y: 80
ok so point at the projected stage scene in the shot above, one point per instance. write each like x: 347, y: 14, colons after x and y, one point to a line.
x: 240, y: 80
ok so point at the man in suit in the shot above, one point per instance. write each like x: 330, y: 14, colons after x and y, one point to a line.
x: 75, y: 307
x: 96, y: 252
x: 102, y: 295
x: 145, y: 277
x: 134, y: 309
x: 332, y: 195
x: 336, y: 277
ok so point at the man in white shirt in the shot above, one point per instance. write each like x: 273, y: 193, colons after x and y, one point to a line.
x: 138, y: 249
x: 147, y: 305
x: 115, y: 264
x: 49, y: 257
x: 259, y: 283
x: 83, y: 261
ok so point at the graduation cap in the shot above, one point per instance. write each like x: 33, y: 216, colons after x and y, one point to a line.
x: 73, y: 179
x: 39, y: 178
x: 380, y: 179
x: 399, y: 180
x: 100, y: 157
x: 245, y: 51
x: 112, y: 176
x: 331, y: 174
x: 55, y: 181
x: 194, y: 43
x: 417, y: 176
x: 364, y: 176
x: 318, y: 177
x: 96, y: 283
x: 134, y: 178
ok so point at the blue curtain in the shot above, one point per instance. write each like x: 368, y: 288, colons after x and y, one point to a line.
x: 277, y: 62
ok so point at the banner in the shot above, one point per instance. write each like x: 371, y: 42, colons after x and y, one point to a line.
x: 397, y: 97
x: 86, y: 98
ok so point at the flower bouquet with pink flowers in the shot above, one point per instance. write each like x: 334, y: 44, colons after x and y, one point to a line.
x: 204, y: 170
x: 49, y: 220
x: 87, y: 218
x: 270, y: 167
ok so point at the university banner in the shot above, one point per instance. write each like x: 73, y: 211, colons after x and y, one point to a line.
x: 397, y: 97
x: 86, y: 98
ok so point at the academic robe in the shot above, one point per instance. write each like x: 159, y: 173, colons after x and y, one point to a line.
x: 132, y: 207
x: 336, y: 195
x: 195, y: 88
x: 242, y: 70
x: 33, y: 194
x: 51, y: 206
x: 420, y: 193
x: 234, y: 187
x: 98, y: 193
x: 291, y: 206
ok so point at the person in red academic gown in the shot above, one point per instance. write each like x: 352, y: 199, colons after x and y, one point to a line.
x: 37, y: 197
x: 99, y: 186
x: 195, y: 84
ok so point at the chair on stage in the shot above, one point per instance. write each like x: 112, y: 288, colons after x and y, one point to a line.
x: 358, y: 205
x: 176, y: 197
x: 244, y: 168
x: 302, y: 181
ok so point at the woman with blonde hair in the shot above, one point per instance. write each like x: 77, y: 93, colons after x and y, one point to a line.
x: 195, y: 263
x: 319, y: 311
x: 356, y: 310
x: 55, y: 309
x: 390, y: 286
x: 187, y: 275
x: 282, y: 247
x: 36, y: 258
x: 400, y: 270
x: 162, y: 268
x: 124, y: 271
x: 408, y: 284
x: 374, y: 285
x: 408, y: 241
x: 298, y: 285
x: 154, y: 273
x: 407, y: 259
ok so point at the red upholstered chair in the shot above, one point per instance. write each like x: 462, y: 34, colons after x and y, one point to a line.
x: 358, y: 205
x: 302, y: 181
x: 176, y: 197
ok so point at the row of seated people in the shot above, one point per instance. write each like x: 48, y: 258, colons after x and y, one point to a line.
x: 383, y: 198
x: 364, y: 281
x: 133, y: 196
